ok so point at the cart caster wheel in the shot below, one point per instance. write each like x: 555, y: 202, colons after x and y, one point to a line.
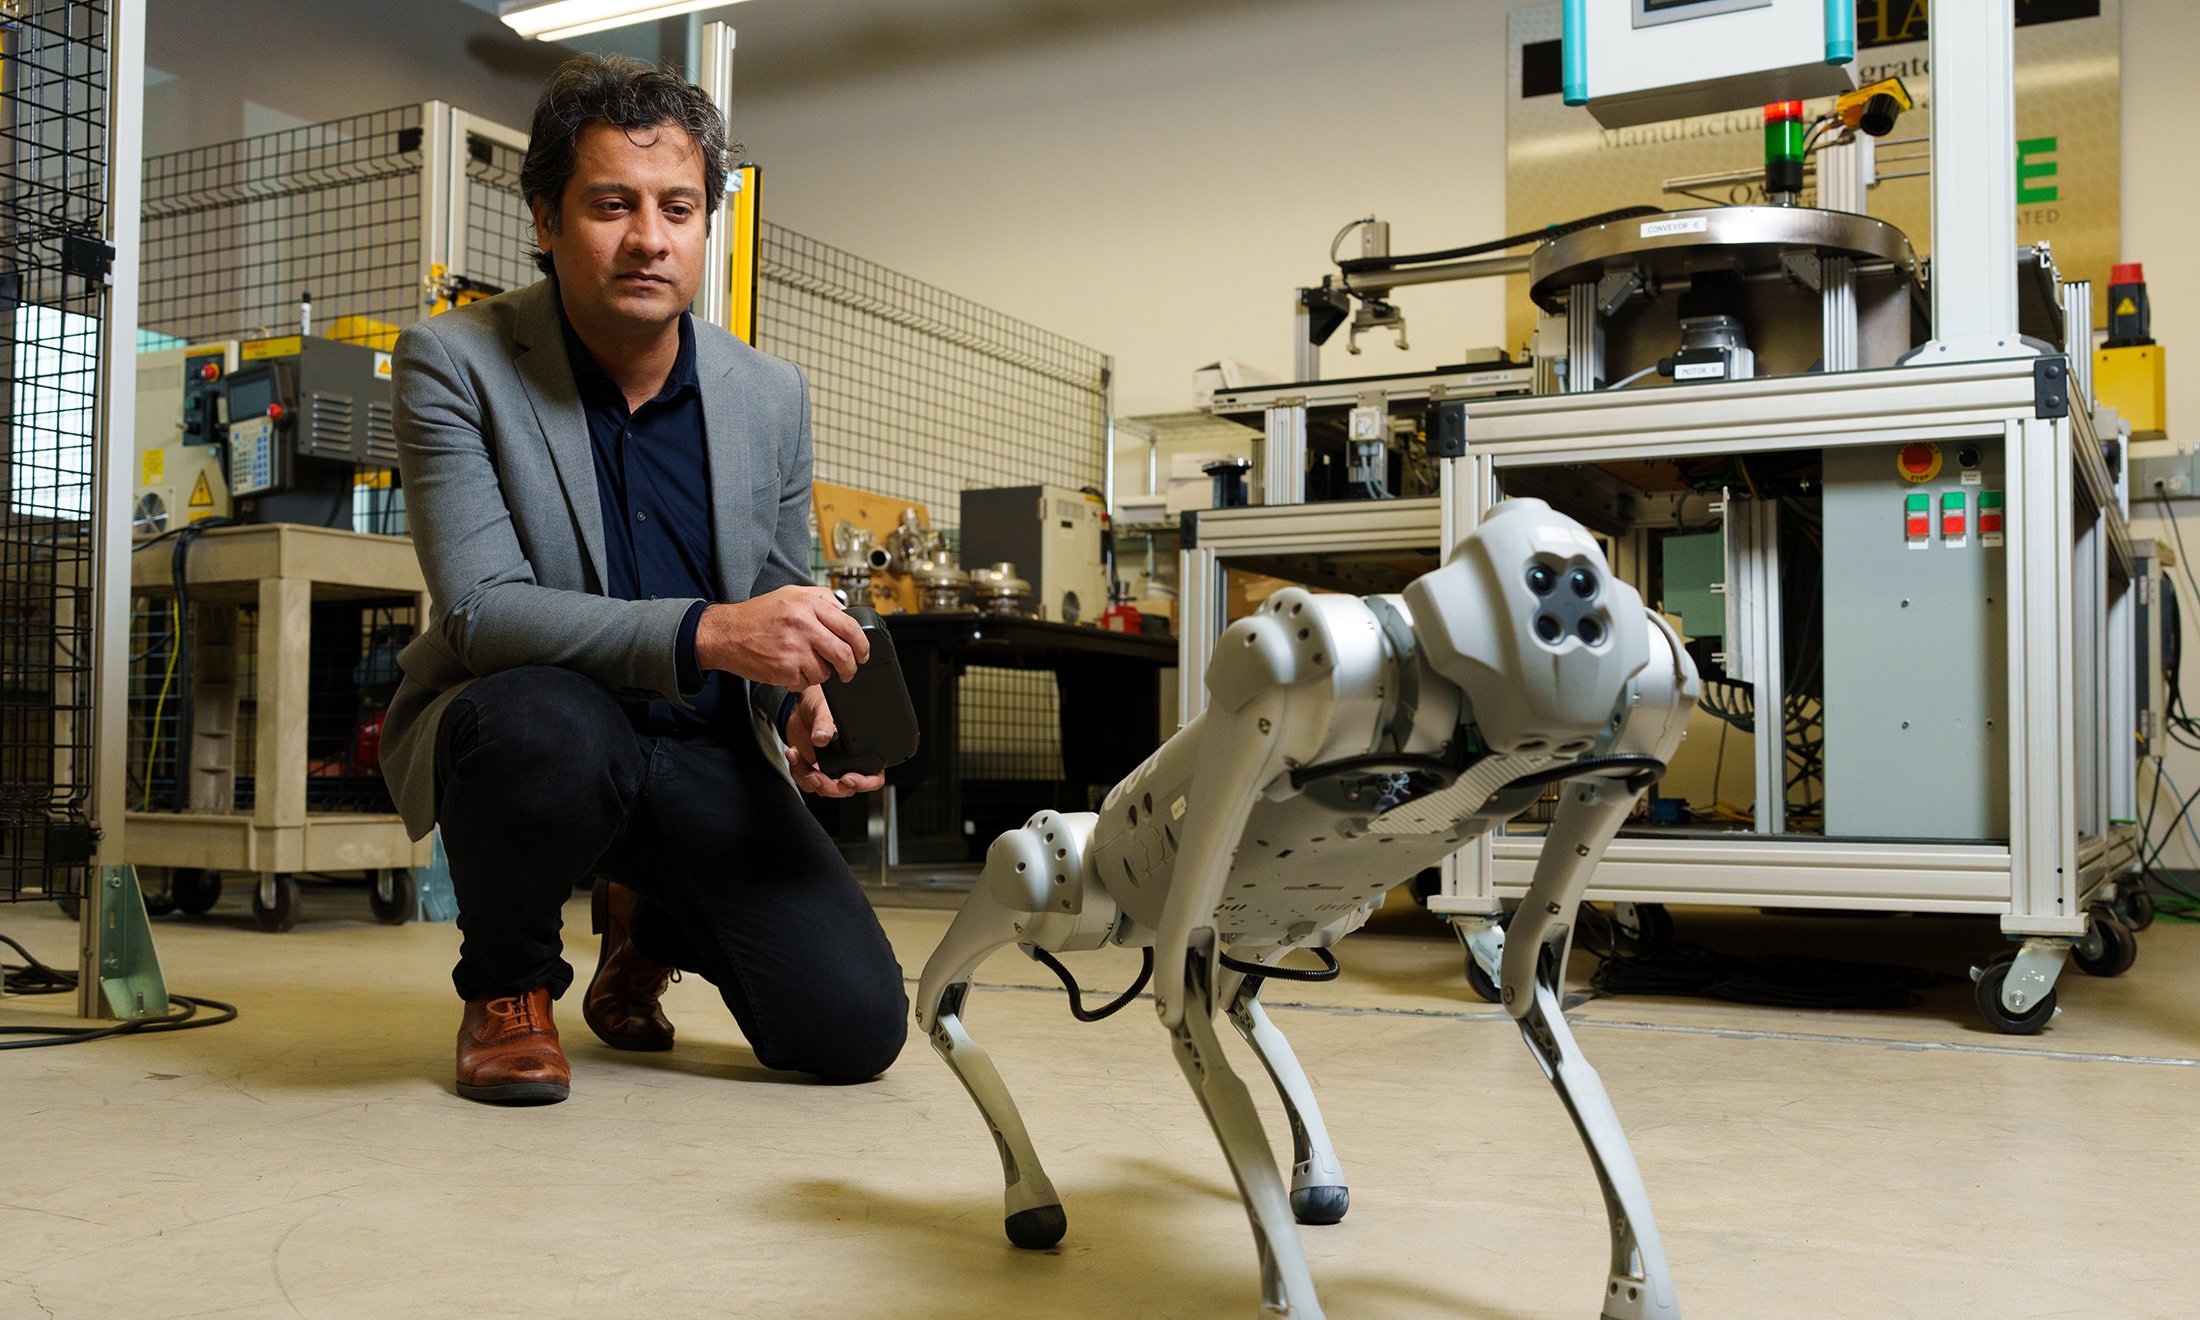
x: 1648, y: 927
x: 195, y: 891
x: 1479, y: 981
x: 2027, y: 1023
x: 71, y: 905
x: 284, y: 914
x: 2136, y: 906
x: 2108, y: 948
x: 397, y: 909
x: 159, y: 904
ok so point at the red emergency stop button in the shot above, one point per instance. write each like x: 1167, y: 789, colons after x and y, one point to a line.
x: 275, y: 412
x: 1919, y: 462
x: 211, y: 371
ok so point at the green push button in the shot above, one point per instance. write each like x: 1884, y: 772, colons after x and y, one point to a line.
x: 1952, y: 502
x: 1989, y: 499
x: 1920, y: 502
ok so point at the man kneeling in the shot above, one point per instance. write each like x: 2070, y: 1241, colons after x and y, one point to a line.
x: 610, y: 502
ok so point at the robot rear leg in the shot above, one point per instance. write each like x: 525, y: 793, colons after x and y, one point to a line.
x: 1287, y: 1289
x: 1318, y: 1191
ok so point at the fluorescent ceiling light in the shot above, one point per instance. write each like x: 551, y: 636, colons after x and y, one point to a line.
x: 555, y: 20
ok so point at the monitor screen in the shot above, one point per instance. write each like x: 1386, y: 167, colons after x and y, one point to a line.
x: 250, y: 394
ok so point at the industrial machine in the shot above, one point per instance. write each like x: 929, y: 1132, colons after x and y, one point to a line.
x: 1347, y: 744
x: 1052, y: 535
x: 181, y: 475
x: 271, y: 430
x: 1883, y: 500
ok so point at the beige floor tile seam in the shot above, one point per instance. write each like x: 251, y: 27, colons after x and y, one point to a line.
x: 1094, y: 995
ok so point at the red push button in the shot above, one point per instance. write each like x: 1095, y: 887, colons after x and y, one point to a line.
x: 1917, y: 516
x: 1989, y: 513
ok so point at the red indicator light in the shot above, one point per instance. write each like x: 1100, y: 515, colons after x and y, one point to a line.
x: 1783, y: 111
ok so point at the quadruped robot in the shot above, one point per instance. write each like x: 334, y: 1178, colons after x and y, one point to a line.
x: 1347, y: 744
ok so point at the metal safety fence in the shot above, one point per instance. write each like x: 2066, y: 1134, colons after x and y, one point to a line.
x: 53, y: 216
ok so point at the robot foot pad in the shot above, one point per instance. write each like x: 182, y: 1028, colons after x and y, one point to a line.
x: 1038, y: 1228
x: 1320, y: 1205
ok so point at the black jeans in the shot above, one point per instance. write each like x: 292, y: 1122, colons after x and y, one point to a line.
x: 542, y: 782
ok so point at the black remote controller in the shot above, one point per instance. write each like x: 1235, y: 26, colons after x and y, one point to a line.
x: 875, y: 720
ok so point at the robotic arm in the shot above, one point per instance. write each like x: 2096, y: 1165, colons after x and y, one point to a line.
x: 1347, y: 744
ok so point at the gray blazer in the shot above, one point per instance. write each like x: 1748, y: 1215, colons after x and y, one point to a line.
x: 500, y: 490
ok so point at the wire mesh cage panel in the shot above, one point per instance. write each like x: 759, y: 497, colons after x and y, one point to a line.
x: 237, y: 234
x: 920, y: 394
x: 1011, y: 725
x: 53, y: 204
x: 499, y: 247
x: 351, y: 675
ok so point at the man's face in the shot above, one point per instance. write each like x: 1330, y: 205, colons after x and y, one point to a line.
x: 629, y: 245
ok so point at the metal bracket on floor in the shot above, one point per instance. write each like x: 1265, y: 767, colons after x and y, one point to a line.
x: 2032, y: 977
x: 130, y: 983
x: 432, y: 891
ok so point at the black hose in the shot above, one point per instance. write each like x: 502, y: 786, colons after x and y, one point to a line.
x: 1355, y: 265
x: 1263, y: 972
x: 1641, y: 765
x: 1077, y: 1007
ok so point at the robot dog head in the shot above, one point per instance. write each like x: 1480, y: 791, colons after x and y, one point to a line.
x: 1528, y: 620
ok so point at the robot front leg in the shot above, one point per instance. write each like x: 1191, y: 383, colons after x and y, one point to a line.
x: 1318, y: 1191
x: 1287, y: 1289
x: 1002, y: 909
x: 1640, y: 1286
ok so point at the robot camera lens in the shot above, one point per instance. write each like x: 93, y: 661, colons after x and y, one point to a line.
x: 1541, y: 580
x: 1590, y: 631
x: 1549, y: 628
x: 1583, y: 582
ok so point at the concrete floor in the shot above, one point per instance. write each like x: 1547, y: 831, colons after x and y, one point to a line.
x: 311, y: 1160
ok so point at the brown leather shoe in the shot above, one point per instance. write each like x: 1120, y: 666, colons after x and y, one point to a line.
x: 508, y: 1051
x: 621, y: 1004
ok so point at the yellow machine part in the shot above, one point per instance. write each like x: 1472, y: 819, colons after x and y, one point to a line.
x: 1849, y: 109
x: 742, y: 219
x: 2135, y: 382
x: 364, y: 330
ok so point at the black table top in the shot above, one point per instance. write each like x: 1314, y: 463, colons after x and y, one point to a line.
x: 1031, y: 641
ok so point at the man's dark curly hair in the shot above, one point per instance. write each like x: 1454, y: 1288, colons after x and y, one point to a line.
x: 628, y: 95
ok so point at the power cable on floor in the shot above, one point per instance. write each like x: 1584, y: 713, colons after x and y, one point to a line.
x: 32, y: 977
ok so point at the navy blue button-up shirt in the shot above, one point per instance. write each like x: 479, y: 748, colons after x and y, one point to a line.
x: 653, y: 483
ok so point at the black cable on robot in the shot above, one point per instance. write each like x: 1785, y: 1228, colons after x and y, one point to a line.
x: 1077, y: 1007
x: 1265, y: 972
x: 1381, y: 763
x: 1648, y: 770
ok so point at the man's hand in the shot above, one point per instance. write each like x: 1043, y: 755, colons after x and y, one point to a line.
x: 810, y: 728
x: 791, y: 638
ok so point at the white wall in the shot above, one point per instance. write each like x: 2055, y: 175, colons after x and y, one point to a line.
x: 1159, y: 191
